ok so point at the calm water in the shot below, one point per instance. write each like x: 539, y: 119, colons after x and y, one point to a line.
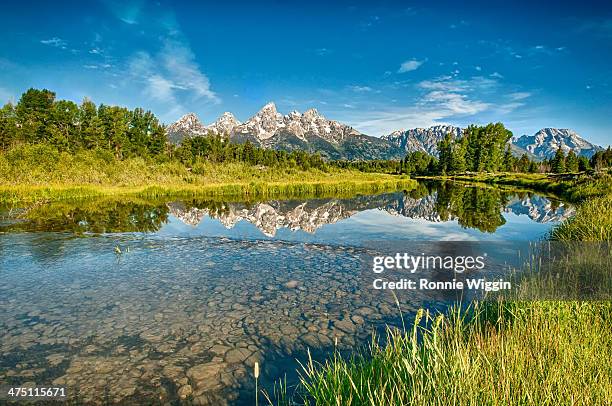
x: 132, y: 301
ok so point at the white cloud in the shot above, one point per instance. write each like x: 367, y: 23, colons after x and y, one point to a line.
x: 454, y: 103
x: 171, y: 73
x: 445, y: 99
x: 127, y: 11
x: 322, y: 51
x: 409, y: 66
x: 519, y: 95
x: 452, y: 84
x: 496, y: 75
x: 360, y: 89
x: 179, y: 62
x: 55, y: 42
x: 98, y: 66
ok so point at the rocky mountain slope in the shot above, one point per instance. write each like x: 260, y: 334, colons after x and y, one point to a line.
x: 426, y: 140
x: 545, y: 143
x: 421, y: 139
x: 312, y: 132
x: 309, y: 131
x: 187, y: 126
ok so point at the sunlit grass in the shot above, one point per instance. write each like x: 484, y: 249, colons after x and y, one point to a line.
x: 25, y: 176
x: 519, y: 350
x: 593, y: 222
x: 498, y: 353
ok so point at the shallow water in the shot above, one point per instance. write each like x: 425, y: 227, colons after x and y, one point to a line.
x: 133, y: 300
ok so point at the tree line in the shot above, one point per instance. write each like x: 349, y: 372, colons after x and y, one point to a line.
x: 38, y: 118
x: 486, y: 149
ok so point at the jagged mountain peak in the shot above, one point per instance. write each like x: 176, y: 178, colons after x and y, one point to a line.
x: 312, y: 113
x: 269, y: 107
x: 224, y: 125
x: 547, y: 141
x: 422, y: 139
x: 187, y: 126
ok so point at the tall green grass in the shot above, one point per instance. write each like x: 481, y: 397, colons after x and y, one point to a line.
x: 498, y: 353
x: 506, y: 351
x: 592, y: 222
x: 34, y: 173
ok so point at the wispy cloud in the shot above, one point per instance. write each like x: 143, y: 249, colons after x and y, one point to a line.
x: 127, y: 11
x: 170, y: 73
x: 444, y: 99
x: 360, y: 89
x: 519, y: 95
x: 55, y: 42
x: 410, y: 65
x: 322, y: 51
x: 451, y: 84
x: 460, y: 23
x: 454, y: 103
x: 98, y: 66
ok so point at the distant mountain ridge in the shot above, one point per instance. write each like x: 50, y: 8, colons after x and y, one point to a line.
x: 312, y: 132
x: 309, y: 131
x: 547, y: 141
x: 426, y: 140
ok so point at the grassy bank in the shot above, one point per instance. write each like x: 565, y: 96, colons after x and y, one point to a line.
x: 573, y: 187
x: 511, y: 351
x: 26, y: 176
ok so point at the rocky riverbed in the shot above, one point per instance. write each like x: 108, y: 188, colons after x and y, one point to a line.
x: 175, y: 320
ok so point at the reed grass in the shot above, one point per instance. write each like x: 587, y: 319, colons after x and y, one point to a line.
x: 494, y: 353
x: 503, y: 351
x: 28, y: 175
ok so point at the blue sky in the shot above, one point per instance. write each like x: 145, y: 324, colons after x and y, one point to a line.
x: 379, y: 66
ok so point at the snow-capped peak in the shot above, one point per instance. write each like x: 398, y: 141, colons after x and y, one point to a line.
x: 422, y: 139
x: 547, y: 141
x: 187, y: 126
x: 224, y: 125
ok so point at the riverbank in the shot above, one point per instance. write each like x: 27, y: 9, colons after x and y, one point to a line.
x: 86, y: 174
x: 573, y: 187
x: 512, y: 351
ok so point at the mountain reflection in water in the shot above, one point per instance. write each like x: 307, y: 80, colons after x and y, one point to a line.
x: 140, y: 301
x: 470, y: 207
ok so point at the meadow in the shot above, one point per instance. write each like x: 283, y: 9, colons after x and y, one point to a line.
x: 39, y: 173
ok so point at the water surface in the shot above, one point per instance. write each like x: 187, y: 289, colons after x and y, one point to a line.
x: 146, y: 301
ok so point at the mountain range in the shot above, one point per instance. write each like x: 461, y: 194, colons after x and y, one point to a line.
x: 312, y: 132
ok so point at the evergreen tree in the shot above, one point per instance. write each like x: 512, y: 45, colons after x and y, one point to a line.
x: 508, y: 160
x: 571, y: 162
x: 91, y: 128
x: 583, y: 163
x: 8, y: 126
x: 458, y: 152
x: 445, y: 155
x: 33, y: 114
x: 523, y: 164
x: 558, y: 162
x: 62, y: 127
